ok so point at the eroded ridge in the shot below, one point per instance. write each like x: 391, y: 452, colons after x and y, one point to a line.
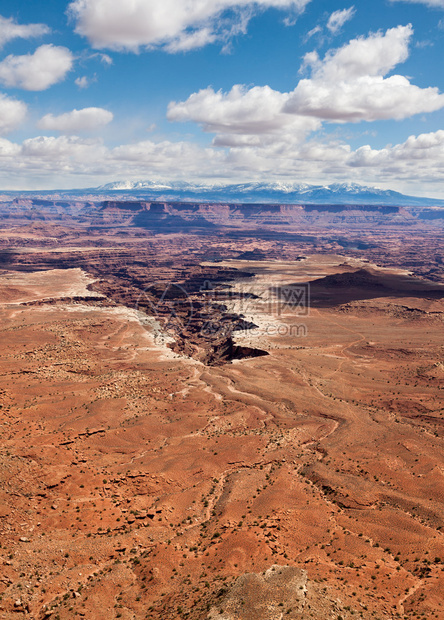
x: 137, y: 482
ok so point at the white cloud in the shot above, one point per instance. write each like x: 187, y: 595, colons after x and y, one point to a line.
x: 368, y: 98
x: 243, y: 111
x: 12, y: 113
x: 339, y: 18
x: 377, y: 54
x: 74, y: 158
x: 261, y: 132
x: 86, y: 119
x: 62, y: 149
x: 8, y: 150
x: 48, y: 65
x: 175, y: 25
x: 258, y: 132
x: 349, y: 83
x: 191, y: 41
x: 64, y: 160
x: 159, y: 156
x: 312, y: 32
x: 243, y: 117
x: 9, y: 30
x: 105, y: 59
x: 82, y: 82
x: 84, y: 162
x: 438, y: 4
x: 425, y: 151
x: 416, y: 163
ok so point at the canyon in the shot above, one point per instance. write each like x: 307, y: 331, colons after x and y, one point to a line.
x: 220, y: 411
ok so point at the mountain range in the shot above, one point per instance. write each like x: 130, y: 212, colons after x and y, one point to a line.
x: 278, y: 193
x: 281, y: 193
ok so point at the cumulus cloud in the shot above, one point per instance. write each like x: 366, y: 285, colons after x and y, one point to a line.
x: 416, y: 161
x: 76, y: 158
x: 61, y: 149
x: 70, y: 160
x: 366, y: 99
x: 339, y: 18
x: 87, y: 161
x: 376, y: 54
x: 243, y: 117
x: 241, y: 111
x: 48, y: 65
x: 425, y: 150
x: 86, y: 119
x: 349, y: 83
x: 10, y: 29
x: 175, y: 25
x: 258, y: 132
x: 8, y: 150
x: 12, y: 113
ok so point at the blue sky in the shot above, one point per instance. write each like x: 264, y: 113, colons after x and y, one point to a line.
x: 288, y: 91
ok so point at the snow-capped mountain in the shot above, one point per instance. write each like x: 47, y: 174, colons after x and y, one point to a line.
x: 276, y: 192
x: 142, y: 185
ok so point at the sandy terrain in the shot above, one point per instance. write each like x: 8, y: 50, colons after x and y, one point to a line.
x: 140, y: 483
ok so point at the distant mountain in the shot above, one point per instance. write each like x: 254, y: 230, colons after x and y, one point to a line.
x: 281, y: 193
x: 278, y: 193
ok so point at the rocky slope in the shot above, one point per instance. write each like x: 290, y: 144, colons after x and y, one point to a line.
x: 164, y: 217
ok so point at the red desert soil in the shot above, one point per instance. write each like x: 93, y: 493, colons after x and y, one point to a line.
x: 139, y: 482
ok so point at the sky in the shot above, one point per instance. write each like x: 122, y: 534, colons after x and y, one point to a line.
x: 222, y: 91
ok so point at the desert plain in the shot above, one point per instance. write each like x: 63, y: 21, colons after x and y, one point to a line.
x: 221, y: 426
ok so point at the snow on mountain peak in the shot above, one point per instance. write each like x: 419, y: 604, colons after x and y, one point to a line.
x: 284, y: 192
